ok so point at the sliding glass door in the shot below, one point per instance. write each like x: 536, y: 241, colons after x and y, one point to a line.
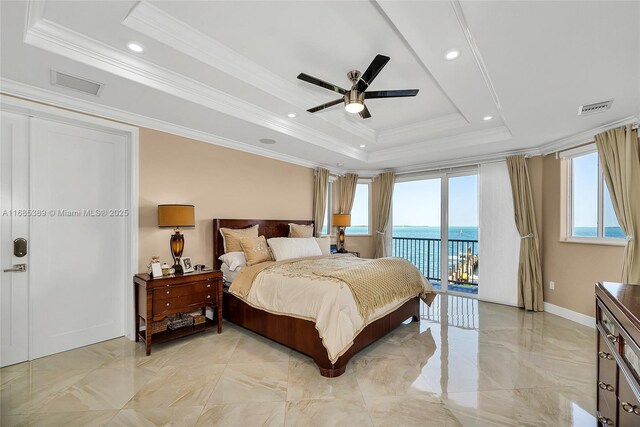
x: 435, y: 226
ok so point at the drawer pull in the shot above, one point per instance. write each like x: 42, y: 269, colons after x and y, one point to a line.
x: 605, y: 355
x: 209, y: 285
x: 208, y: 296
x: 168, y: 292
x: 612, y: 338
x: 167, y: 304
x: 632, y: 409
x: 605, y: 421
x: 605, y: 386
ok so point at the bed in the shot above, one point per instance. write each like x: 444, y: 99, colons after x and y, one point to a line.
x: 295, y: 332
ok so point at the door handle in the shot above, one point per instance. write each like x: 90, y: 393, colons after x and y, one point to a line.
x: 18, y: 268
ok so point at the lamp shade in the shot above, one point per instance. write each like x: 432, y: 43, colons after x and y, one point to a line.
x: 341, y: 220
x: 176, y: 216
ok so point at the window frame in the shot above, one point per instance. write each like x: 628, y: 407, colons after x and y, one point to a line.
x: 568, y: 236
x: 328, y: 209
x: 367, y: 182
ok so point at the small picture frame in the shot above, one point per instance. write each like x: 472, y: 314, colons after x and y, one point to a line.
x: 156, y: 269
x: 186, y: 264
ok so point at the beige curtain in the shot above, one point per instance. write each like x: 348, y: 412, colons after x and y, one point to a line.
x: 320, y: 187
x: 619, y: 152
x: 383, y: 194
x: 529, y: 268
x: 347, y: 191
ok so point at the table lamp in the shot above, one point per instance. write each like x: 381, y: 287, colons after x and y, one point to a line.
x: 341, y: 221
x: 176, y: 216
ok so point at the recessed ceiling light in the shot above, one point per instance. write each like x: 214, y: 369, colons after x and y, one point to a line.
x: 487, y: 118
x: 452, y: 54
x: 267, y: 141
x: 135, y: 47
x: 291, y: 115
x: 362, y: 145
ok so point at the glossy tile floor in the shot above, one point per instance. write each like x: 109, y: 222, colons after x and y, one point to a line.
x: 465, y: 363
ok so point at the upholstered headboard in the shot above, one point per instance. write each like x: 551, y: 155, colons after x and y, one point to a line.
x: 267, y: 228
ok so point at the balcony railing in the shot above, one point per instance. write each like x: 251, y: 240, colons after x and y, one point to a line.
x: 426, y: 254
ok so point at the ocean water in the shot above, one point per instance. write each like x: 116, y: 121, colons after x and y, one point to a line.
x: 613, y: 232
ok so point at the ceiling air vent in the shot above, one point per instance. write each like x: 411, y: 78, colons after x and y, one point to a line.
x: 598, y: 107
x: 76, y: 83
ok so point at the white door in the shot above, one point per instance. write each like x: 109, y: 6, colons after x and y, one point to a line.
x: 14, y: 224
x: 79, y: 249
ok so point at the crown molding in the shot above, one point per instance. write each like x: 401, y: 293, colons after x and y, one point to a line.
x: 60, y: 40
x: 157, y: 24
x: 421, y: 129
x: 34, y: 94
x: 484, y: 136
x: 584, y: 137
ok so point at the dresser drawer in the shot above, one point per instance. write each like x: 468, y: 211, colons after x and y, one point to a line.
x: 169, y: 292
x: 607, y: 366
x: 182, y: 303
x: 629, y: 406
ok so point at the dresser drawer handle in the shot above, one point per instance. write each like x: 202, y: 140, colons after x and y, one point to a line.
x: 602, y: 385
x: 632, y: 409
x: 209, y: 285
x: 208, y: 296
x: 167, y: 304
x: 605, y: 355
x: 612, y: 338
x: 168, y: 292
x: 605, y: 421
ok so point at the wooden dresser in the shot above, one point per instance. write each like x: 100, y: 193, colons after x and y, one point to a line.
x: 158, y: 298
x: 618, y: 326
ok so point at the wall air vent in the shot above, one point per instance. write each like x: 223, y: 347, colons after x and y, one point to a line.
x: 76, y: 83
x: 598, y: 107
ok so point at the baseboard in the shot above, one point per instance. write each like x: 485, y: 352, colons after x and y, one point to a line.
x: 583, y: 319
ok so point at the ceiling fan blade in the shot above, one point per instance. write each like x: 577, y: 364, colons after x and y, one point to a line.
x: 310, y: 79
x: 327, y: 105
x: 391, y: 93
x: 375, y: 67
x: 365, y: 113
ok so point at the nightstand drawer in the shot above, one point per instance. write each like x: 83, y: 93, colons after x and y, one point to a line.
x: 184, y: 303
x: 168, y: 292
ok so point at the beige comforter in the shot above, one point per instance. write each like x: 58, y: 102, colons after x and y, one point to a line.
x: 340, y: 293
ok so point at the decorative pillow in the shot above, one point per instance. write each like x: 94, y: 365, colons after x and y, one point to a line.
x: 325, y: 244
x: 255, y: 250
x: 289, y: 248
x: 299, y: 230
x: 232, y: 236
x: 233, y: 260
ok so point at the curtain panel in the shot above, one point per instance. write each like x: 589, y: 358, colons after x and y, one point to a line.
x: 320, y: 186
x: 347, y: 191
x: 383, y: 193
x: 529, y: 267
x: 619, y: 153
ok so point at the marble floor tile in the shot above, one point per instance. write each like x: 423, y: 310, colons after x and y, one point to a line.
x: 464, y: 363
x: 67, y: 419
x: 99, y: 390
x: 150, y: 417
x: 178, y: 386
x: 343, y: 412
x: 268, y: 414
x: 251, y: 382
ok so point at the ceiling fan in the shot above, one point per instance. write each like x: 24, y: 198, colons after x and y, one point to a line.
x: 354, y: 98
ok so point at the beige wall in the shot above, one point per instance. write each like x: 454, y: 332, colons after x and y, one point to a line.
x: 574, y: 267
x: 220, y: 182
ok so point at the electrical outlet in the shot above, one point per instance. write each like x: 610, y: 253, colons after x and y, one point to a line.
x: 552, y: 285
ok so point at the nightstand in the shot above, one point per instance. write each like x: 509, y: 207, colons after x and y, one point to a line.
x: 155, y: 299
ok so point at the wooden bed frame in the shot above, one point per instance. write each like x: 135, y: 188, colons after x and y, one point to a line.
x: 300, y: 335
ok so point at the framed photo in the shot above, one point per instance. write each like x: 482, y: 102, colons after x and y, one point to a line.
x: 187, y: 265
x: 156, y: 270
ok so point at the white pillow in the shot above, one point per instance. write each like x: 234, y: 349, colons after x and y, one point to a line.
x: 295, y: 247
x: 234, y: 260
x: 325, y: 244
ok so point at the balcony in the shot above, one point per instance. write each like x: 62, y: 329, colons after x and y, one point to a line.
x: 426, y: 254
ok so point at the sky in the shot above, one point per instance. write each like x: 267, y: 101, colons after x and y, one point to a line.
x: 585, y: 191
x: 418, y: 202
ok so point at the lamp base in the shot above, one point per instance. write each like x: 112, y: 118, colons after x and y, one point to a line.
x: 342, y: 251
x: 178, y: 268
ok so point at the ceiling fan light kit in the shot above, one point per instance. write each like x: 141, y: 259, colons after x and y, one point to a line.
x: 354, y: 98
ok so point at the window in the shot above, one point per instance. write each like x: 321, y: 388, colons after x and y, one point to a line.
x: 360, y: 211
x: 327, y: 210
x: 590, y: 210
